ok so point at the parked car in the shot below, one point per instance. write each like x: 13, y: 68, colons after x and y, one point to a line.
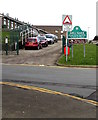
x: 55, y: 38
x: 43, y: 40
x: 33, y: 42
x: 50, y: 38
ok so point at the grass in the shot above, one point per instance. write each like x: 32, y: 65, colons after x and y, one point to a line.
x: 78, y: 55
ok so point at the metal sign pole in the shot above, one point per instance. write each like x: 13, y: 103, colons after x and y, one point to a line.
x: 84, y: 49
x: 66, y: 46
x: 72, y: 50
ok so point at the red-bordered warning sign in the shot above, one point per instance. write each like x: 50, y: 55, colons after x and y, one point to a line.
x: 67, y: 20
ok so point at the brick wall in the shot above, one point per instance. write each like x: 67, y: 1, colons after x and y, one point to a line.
x: 51, y: 29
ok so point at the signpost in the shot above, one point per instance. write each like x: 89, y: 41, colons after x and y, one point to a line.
x: 66, y: 26
x: 77, y: 35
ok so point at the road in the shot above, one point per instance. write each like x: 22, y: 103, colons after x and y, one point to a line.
x: 77, y: 81
x: 24, y: 104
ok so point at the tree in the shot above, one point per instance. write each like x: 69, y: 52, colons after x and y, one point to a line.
x: 96, y: 37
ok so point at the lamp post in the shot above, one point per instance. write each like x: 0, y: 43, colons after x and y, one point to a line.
x: 72, y: 47
x: 88, y: 34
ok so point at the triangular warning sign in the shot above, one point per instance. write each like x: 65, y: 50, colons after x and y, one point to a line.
x: 67, y: 20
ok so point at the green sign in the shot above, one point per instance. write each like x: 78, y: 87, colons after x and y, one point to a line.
x: 77, y: 33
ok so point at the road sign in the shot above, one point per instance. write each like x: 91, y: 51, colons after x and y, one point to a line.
x: 66, y: 22
x: 66, y: 26
x: 77, y: 33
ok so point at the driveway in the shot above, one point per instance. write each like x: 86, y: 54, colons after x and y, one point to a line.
x: 46, y: 56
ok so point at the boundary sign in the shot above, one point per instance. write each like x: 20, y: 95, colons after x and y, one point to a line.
x: 77, y: 36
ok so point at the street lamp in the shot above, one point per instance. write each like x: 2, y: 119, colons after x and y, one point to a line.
x: 88, y: 34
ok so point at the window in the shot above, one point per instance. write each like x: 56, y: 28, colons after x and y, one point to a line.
x: 31, y: 40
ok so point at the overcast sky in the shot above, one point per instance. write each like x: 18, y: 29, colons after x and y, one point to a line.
x: 49, y: 12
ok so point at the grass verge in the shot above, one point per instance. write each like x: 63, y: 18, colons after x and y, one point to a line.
x: 78, y: 55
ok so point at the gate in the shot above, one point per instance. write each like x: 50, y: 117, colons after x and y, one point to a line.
x: 10, y: 41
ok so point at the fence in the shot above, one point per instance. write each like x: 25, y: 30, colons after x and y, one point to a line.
x: 13, y: 39
x: 10, y: 41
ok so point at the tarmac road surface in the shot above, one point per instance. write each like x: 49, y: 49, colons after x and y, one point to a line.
x: 75, y: 81
x: 20, y: 103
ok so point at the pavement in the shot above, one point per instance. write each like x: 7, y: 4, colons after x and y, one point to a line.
x: 25, y: 103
